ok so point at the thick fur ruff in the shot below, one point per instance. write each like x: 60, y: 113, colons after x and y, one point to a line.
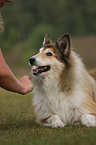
x: 65, y: 93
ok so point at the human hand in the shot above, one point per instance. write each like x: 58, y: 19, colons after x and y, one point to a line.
x: 27, y: 84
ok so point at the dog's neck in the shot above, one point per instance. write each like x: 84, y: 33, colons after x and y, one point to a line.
x: 61, y: 82
x: 65, y: 81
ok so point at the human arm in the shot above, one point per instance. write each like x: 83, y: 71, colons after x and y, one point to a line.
x: 9, y: 82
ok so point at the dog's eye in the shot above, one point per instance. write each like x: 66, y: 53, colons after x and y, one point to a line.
x: 49, y: 54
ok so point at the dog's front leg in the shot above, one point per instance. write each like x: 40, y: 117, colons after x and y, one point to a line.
x: 54, y: 121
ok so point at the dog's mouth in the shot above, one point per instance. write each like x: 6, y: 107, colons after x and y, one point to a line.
x: 40, y: 70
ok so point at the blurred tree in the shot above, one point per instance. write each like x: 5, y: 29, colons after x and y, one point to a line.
x: 37, y: 36
x: 77, y: 17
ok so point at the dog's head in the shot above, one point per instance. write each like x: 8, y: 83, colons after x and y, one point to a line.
x: 52, y: 57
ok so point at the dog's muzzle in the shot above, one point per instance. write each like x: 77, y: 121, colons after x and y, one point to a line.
x: 32, y: 60
x: 38, y: 69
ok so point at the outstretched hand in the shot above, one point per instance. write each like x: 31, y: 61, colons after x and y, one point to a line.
x: 27, y: 84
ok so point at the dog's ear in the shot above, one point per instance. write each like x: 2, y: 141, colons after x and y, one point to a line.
x: 64, y: 45
x: 47, y: 40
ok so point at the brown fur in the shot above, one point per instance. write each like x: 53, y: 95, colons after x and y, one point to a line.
x: 90, y: 105
x: 93, y: 74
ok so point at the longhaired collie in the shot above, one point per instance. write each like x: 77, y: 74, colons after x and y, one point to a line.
x: 64, y: 92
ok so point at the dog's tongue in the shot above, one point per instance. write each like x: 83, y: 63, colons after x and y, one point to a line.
x: 39, y: 69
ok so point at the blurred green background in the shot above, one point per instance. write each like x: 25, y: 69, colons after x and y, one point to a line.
x: 27, y: 21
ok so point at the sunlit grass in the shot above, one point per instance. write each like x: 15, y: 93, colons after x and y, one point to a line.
x: 18, y: 126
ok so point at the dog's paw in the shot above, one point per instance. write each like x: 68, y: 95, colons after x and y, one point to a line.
x: 55, y: 121
x: 88, y: 120
x: 57, y: 124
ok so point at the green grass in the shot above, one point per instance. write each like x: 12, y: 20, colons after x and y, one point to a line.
x: 18, y: 126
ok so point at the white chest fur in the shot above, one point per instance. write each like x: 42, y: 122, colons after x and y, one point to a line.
x: 49, y: 100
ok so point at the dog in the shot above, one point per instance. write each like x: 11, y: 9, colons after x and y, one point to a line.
x: 64, y: 91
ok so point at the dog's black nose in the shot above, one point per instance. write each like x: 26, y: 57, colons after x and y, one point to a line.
x: 32, y: 60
